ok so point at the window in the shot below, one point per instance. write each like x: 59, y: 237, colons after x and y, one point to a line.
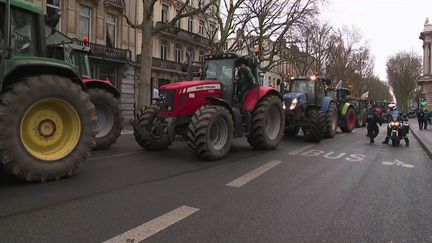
x: 178, y: 22
x: 211, y: 30
x: 111, y: 31
x: 190, y: 53
x: 190, y: 24
x: 85, y: 22
x: 164, y: 49
x: 201, y: 27
x: 178, y: 53
x: 53, y: 7
x: 191, y: 3
x: 164, y: 13
x: 201, y: 56
x: 23, y: 33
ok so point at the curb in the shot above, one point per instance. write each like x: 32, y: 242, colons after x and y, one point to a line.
x: 424, y: 146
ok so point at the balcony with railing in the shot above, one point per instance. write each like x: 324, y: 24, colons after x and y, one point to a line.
x: 114, y: 3
x: 186, y: 35
x: 104, y: 52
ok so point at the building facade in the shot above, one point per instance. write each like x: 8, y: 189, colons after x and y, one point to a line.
x: 426, y: 79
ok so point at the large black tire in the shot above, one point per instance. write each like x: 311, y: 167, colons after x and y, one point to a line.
x: 268, y: 122
x: 315, y: 125
x: 350, y: 121
x: 110, y: 120
x: 331, y: 121
x: 42, y: 162
x: 292, y: 131
x: 210, y: 132
x: 149, y: 141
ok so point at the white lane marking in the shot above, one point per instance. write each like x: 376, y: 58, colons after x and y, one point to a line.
x: 127, y: 132
x: 114, y: 155
x: 243, y: 180
x: 152, y: 227
x: 398, y: 163
x: 301, y: 149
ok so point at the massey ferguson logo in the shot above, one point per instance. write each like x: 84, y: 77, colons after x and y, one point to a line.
x: 202, y: 87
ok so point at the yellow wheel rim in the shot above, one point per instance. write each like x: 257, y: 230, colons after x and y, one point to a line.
x: 50, y: 129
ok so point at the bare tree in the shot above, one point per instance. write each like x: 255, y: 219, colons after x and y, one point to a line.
x: 270, y: 21
x: 403, y: 71
x: 311, y: 48
x: 149, y: 29
x: 378, y: 90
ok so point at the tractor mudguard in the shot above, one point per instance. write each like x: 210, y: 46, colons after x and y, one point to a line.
x: 325, y: 104
x: 345, y: 109
x: 101, y: 84
x: 217, y: 101
x: 256, y: 94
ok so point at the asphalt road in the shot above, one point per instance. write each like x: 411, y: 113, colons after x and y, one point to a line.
x: 340, y: 190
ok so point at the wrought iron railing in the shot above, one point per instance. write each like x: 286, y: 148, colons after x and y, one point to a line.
x: 105, y: 52
x: 187, y: 35
x: 116, y: 3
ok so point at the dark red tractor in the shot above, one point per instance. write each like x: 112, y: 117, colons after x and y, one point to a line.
x: 104, y: 96
x: 208, y: 113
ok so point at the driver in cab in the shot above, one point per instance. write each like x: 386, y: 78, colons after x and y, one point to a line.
x: 245, y: 79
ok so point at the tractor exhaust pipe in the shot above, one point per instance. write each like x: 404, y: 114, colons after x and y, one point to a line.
x: 6, y: 45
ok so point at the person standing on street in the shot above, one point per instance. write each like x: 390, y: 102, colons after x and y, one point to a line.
x: 420, y: 114
x: 372, y: 119
x: 426, y: 119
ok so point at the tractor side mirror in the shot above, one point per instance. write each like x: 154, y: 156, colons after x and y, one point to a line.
x: 278, y: 82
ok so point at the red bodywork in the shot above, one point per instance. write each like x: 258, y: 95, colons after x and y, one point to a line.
x: 101, y: 84
x: 255, y: 95
x: 191, y: 95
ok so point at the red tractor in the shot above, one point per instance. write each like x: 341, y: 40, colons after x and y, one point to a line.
x: 104, y: 96
x: 208, y: 113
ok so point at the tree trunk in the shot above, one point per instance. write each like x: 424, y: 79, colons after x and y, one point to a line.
x: 144, y: 83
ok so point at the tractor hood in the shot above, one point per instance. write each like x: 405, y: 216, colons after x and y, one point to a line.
x: 293, y: 100
x: 190, y: 86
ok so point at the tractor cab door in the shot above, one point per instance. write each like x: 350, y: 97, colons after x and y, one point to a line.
x: 81, y: 60
x: 320, y: 92
x: 223, y: 71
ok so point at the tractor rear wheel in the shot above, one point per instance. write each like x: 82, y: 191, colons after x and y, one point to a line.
x: 109, y: 117
x: 331, y: 121
x: 47, y: 128
x: 210, y: 132
x: 350, y: 121
x: 268, y: 122
x: 150, y: 141
x: 315, y: 125
x: 292, y: 131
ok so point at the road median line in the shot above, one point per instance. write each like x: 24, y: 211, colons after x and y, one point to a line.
x: 154, y: 226
x: 243, y: 180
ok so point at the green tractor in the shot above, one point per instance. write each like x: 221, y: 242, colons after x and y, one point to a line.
x: 360, y: 106
x: 345, y: 110
x: 47, y: 121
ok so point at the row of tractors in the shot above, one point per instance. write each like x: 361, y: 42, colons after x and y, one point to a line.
x: 52, y: 113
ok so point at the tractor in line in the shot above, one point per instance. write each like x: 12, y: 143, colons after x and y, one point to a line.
x: 227, y: 102
x: 104, y: 96
x: 47, y: 120
x: 346, y: 113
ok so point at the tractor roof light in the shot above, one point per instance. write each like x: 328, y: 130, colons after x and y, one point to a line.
x: 313, y: 77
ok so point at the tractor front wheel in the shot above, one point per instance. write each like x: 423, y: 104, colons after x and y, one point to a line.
x: 315, y: 125
x: 146, y: 136
x: 210, y: 132
x: 331, y: 121
x: 109, y: 117
x: 47, y: 128
x: 350, y: 121
x: 267, y: 128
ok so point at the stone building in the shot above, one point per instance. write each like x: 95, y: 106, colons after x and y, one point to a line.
x: 426, y: 79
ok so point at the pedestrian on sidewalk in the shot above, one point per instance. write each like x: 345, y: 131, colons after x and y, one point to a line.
x: 420, y: 114
x: 426, y: 119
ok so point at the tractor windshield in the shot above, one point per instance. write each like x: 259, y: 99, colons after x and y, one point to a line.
x: 80, y: 59
x: 23, y: 26
x: 302, y: 86
x: 222, y: 70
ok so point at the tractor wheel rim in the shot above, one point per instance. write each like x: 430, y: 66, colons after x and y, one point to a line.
x: 50, y: 129
x: 273, y: 122
x: 105, y: 120
x: 219, y: 133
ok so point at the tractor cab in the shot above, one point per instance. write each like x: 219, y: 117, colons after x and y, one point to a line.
x: 237, y: 75
x: 305, y: 91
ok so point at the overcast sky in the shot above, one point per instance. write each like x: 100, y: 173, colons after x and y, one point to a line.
x: 388, y: 25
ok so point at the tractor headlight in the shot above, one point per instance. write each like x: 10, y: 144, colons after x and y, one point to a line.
x: 293, y: 104
x: 283, y: 105
x: 392, y: 123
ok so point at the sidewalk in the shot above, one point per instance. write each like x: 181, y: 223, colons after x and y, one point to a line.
x: 423, y: 136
